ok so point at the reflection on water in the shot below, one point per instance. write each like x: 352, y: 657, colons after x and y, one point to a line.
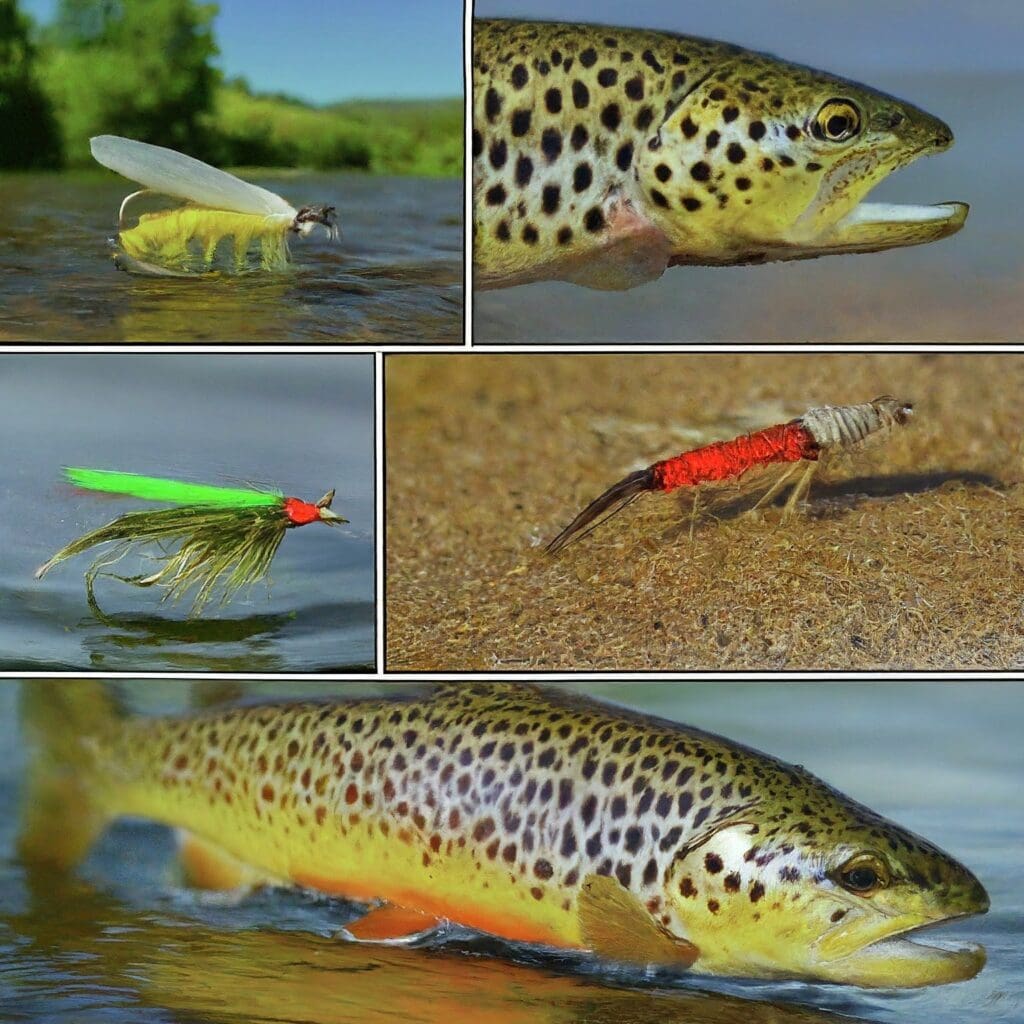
x: 120, y: 941
x: 396, y: 274
x: 112, y: 961
x: 966, y: 288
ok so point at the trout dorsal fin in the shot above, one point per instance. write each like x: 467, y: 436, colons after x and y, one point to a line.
x: 615, y: 925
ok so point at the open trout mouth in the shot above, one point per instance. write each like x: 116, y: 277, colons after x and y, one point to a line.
x: 870, y: 227
x: 901, y: 960
x: 873, y: 226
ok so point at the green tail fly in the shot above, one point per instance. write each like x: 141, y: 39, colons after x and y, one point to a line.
x: 215, y: 536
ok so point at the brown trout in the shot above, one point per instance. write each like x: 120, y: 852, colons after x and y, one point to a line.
x: 529, y: 814
x: 602, y: 156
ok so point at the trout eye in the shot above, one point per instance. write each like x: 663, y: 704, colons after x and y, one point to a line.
x: 864, y: 874
x: 837, y: 121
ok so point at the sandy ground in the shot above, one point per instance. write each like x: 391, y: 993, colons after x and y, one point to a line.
x: 907, y: 556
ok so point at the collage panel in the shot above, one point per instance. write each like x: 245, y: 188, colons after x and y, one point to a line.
x: 169, y: 498
x: 651, y: 174
x: 242, y: 172
x: 772, y: 512
x: 213, y: 852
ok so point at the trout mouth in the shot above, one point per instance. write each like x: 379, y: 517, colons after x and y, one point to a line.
x: 871, y: 227
x: 900, y: 960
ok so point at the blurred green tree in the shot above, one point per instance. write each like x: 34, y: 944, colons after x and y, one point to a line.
x: 139, y: 68
x: 29, y: 136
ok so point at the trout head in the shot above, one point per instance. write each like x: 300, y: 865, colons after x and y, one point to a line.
x: 823, y: 889
x: 769, y: 161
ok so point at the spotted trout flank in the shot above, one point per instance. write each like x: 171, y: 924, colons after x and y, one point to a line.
x: 798, y: 444
x: 526, y: 813
x: 602, y: 156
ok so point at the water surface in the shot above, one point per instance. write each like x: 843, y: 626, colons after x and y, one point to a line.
x: 395, y: 275
x: 302, y: 424
x: 121, y: 941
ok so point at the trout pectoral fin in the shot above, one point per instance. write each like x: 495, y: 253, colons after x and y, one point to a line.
x: 627, y: 250
x: 389, y: 923
x: 615, y: 925
x: 204, y: 865
x: 632, y: 250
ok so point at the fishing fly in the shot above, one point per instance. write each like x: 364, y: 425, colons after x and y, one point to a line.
x: 801, y: 443
x: 215, y: 536
x: 223, y: 220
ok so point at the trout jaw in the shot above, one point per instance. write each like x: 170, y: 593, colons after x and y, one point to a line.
x: 876, y: 945
x: 822, y: 212
x: 898, y: 961
x: 838, y: 220
x: 861, y: 950
x: 872, y: 227
x: 786, y: 908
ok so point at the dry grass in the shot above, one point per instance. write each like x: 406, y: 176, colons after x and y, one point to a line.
x: 909, y: 558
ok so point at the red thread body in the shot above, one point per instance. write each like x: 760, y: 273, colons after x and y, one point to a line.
x: 300, y: 512
x: 787, y: 442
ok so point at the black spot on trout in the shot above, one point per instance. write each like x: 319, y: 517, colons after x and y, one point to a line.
x: 629, y: 110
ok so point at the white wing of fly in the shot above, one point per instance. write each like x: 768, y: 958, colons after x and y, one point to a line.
x: 174, y: 174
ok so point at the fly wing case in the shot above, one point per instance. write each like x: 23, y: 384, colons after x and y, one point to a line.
x: 174, y: 174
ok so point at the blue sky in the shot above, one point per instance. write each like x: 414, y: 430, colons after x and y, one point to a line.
x: 324, y: 50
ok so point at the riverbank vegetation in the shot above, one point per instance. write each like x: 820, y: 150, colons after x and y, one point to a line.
x: 145, y: 70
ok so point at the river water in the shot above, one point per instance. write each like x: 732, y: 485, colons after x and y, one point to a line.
x: 394, y: 276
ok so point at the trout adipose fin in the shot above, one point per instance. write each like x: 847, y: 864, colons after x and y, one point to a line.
x: 186, y: 240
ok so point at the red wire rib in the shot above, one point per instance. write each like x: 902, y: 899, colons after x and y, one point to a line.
x: 723, y: 460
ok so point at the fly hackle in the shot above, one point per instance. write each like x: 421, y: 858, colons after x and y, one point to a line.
x: 326, y: 515
x: 309, y: 217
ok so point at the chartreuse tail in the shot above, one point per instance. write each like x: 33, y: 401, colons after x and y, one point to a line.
x: 63, y: 808
x: 175, y: 492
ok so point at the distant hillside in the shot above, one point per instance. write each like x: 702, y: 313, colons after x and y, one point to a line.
x: 416, y: 137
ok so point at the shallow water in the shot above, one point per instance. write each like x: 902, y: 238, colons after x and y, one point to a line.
x: 965, y: 288
x: 395, y: 275
x: 120, y: 941
x: 303, y: 424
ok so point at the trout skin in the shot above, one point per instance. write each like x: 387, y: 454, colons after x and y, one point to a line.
x: 499, y: 806
x: 602, y: 156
